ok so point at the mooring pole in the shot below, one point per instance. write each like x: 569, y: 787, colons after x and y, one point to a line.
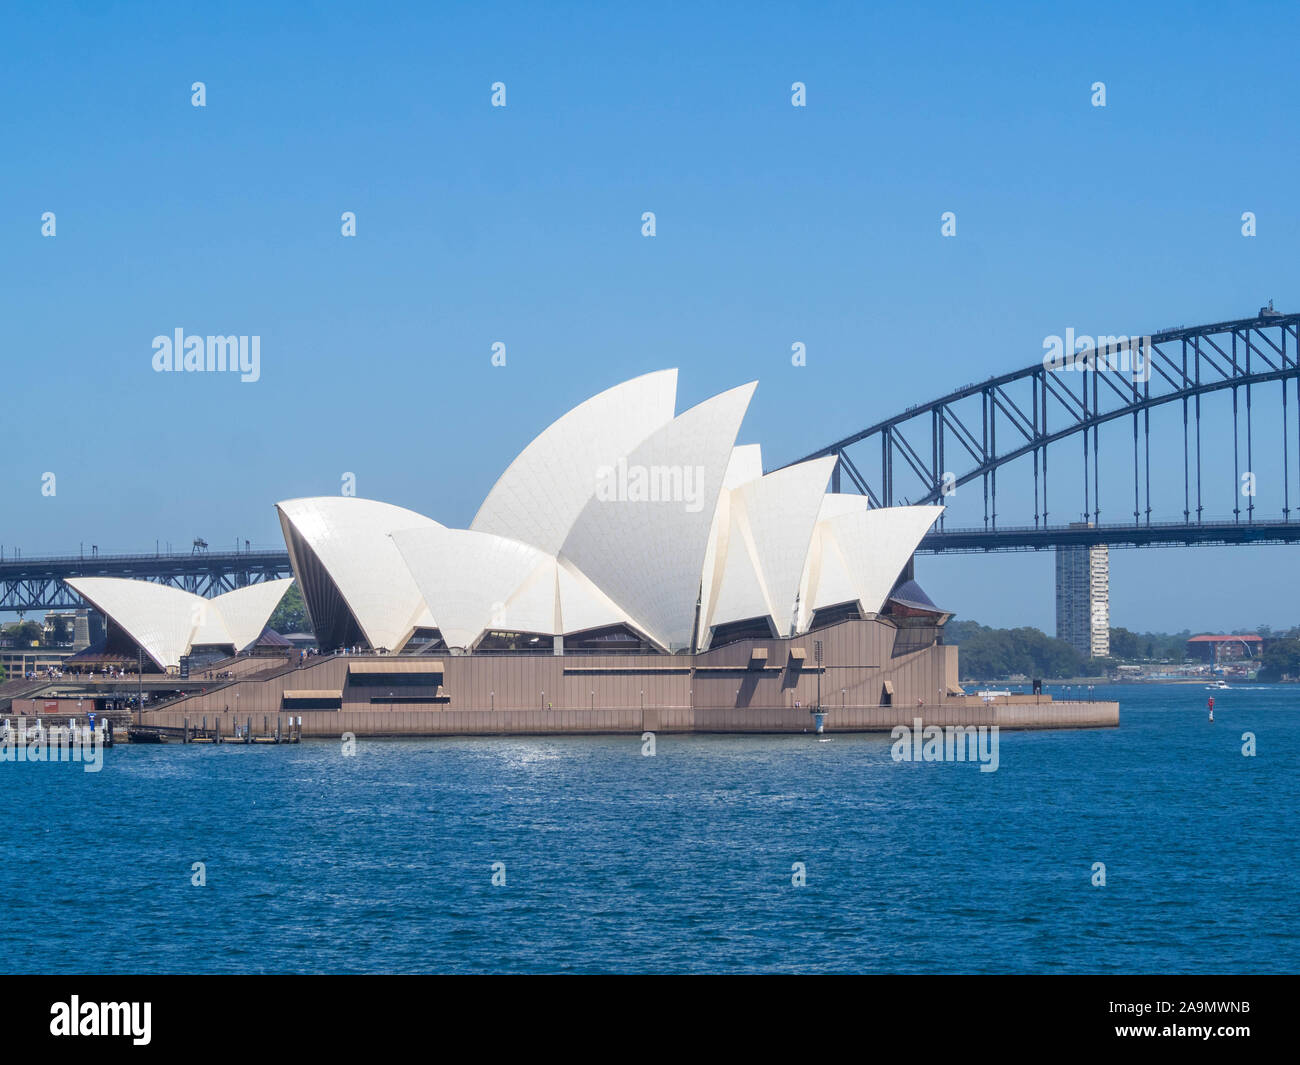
x: 817, y: 653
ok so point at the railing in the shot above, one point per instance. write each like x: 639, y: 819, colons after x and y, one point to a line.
x: 7, y: 555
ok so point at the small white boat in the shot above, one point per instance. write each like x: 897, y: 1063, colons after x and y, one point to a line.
x: 1219, y: 686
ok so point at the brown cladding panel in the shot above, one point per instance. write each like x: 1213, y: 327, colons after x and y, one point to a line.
x: 856, y: 661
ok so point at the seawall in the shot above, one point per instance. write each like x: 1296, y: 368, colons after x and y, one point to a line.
x: 414, y: 723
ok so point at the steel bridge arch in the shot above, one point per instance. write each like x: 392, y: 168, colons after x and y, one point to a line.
x: 1127, y: 377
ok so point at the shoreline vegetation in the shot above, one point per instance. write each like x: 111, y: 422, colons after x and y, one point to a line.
x: 1015, y: 656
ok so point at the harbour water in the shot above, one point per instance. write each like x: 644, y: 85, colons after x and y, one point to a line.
x: 682, y: 861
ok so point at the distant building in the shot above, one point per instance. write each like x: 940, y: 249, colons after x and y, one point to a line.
x: 80, y: 628
x: 19, y: 663
x: 59, y: 628
x: 90, y: 629
x: 1225, y: 648
x: 1083, y: 597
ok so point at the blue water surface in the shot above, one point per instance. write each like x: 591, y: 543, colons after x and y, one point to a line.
x: 680, y: 862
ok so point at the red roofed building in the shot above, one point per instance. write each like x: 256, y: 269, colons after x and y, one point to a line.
x: 1224, y: 648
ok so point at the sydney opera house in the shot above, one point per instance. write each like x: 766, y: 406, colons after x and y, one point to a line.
x: 621, y: 527
x: 633, y: 567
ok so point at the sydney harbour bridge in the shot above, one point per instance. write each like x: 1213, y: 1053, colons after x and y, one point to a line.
x: 1057, y: 454
x: 1219, y: 391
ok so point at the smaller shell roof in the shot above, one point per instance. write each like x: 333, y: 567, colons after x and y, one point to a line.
x: 167, y: 622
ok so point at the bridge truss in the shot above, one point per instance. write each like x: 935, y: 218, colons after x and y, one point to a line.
x: 969, y: 436
x: 37, y: 583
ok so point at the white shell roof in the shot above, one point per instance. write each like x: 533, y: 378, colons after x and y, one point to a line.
x: 836, y: 503
x: 826, y: 580
x: 858, y: 553
x: 477, y: 581
x: 351, y: 538
x: 167, y: 622
x: 714, y: 556
x: 544, y: 490
x: 159, y: 618
x: 246, y: 610
x: 771, y: 527
x: 472, y: 579
x: 645, y: 551
x: 583, y: 606
x: 745, y: 464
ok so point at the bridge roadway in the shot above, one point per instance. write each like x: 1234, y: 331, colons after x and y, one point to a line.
x: 1155, y: 534
x: 37, y: 583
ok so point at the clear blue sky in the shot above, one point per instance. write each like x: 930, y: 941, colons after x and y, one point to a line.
x: 522, y: 225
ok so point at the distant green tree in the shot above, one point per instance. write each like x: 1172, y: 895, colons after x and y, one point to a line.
x: 291, y: 615
x: 992, y: 654
x: 1281, y: 658
x: 1127, y: 645
x: 24, y: 633
x: 1172, y: 646
x: 957, y: 631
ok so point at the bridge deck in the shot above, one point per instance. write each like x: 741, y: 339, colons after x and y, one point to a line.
x: 1157, y: 534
